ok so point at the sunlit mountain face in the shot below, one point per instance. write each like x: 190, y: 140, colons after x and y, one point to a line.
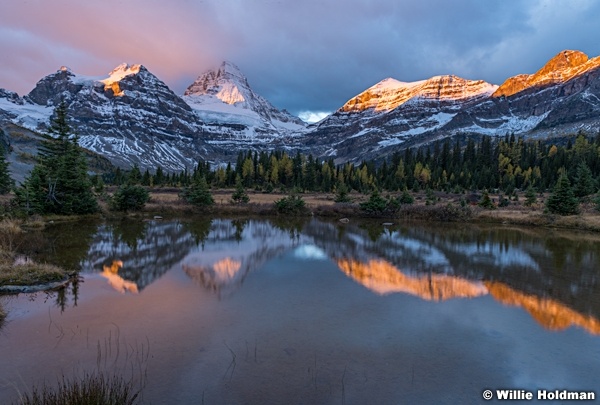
x: 561, y: 68
x: 131, y: 116
x: 390, y: 93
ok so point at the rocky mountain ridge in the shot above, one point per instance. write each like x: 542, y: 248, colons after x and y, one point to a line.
x: 131, y: 116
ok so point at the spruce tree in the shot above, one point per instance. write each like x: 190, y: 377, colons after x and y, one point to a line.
x: 597, y: 202
x: 406, y: 198
x: 486, y: 201
x: 239, y: 196
x: 563, y: 200
x: 6, y: 181
x: 198, y: 193
x: 584, y: 183
x: 341, y: 195
x: 530, y: 197
x: 59, y: 183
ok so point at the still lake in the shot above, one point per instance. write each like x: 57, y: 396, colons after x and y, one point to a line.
x: 281, y: 311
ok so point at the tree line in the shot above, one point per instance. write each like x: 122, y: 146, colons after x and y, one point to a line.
x: 60, y: 183
x: 507, y: 164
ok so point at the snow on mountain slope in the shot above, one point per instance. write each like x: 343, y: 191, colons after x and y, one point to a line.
x: 129, y: 116
x: 390, y: 93
x: 25, y: 114
x: 233, y: 112
x: 562, y: 97
x: 564, y: 66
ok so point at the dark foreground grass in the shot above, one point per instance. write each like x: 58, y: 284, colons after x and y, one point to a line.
x: 92, y: 389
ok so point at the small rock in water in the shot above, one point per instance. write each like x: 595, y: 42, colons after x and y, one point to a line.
x: 387, y: 224
x: 157, y: 217
x: 344, y: 220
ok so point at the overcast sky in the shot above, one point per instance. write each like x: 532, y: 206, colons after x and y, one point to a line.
x: 302, y: 55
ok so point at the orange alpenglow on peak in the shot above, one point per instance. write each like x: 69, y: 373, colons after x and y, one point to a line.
x: 117, y: 74
x: 391, y: 93
x: 561, y: 68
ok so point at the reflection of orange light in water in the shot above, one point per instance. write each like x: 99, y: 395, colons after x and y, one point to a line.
x: 215, y: 277
x: 227, y: 268
x: 117, y: 282
x: 383, y: 278
x: 549, y: 313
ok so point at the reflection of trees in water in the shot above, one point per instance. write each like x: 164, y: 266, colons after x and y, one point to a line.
x: 556, y: 265
x: 147, y: 251
x: 130, y: 232
x: 235, y: 248
x: 239, y: 225
x: 562, y: 266
x: 293, y: 225
x: 65, y: 244
x: 199, y: 228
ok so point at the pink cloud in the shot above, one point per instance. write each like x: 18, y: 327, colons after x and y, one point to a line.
x: 93, y: 37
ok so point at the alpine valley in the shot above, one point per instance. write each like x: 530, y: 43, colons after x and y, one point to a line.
x: 132, y: 117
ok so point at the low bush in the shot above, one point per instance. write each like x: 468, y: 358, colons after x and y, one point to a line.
x: 129, y: 198
x: 291, y: 205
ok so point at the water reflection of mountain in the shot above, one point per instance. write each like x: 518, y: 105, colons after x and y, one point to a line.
x: 384, y: 278
x: 439, y: 263
x: 549, y: 313
x: 232, y: 250
x: 145, y: 249
x: 553, y: 277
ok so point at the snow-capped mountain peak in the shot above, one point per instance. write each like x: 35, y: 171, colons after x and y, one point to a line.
x: 390, y: 93
x: 564, y: 66
x: 224, y: 95
x: 121, y: 71
x: 226, y: 83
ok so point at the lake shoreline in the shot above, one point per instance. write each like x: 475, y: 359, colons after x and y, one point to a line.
x: 322, y: 205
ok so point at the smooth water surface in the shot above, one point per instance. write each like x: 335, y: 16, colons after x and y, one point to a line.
x: 282, y: 312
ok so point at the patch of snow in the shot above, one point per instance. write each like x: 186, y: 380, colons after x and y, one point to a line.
x: 27, y: 115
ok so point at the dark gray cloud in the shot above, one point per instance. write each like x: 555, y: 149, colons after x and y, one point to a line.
x: 301, y: 55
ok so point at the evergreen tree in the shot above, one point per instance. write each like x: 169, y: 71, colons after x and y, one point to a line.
x: 563, y: 200
x: 293, y: 204
x: 6, y: 181
x: 530, y: 197
x: 198, y: 193
x: 584, y: 183
x: 406, y: 198
x: 129, y: 197
x: 486, y: 201
x: 240, y: 196
x: 159, y: 177
x: 597, y: 202
x: 341, y: 195
x: 59, y: 183
x: 376, y: 203
x: 135, y: 175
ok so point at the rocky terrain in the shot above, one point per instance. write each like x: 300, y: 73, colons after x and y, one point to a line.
x: 132, y: 117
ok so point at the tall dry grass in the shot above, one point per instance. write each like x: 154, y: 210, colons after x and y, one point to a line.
x: 20, y: 271
x: 95, y: 388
